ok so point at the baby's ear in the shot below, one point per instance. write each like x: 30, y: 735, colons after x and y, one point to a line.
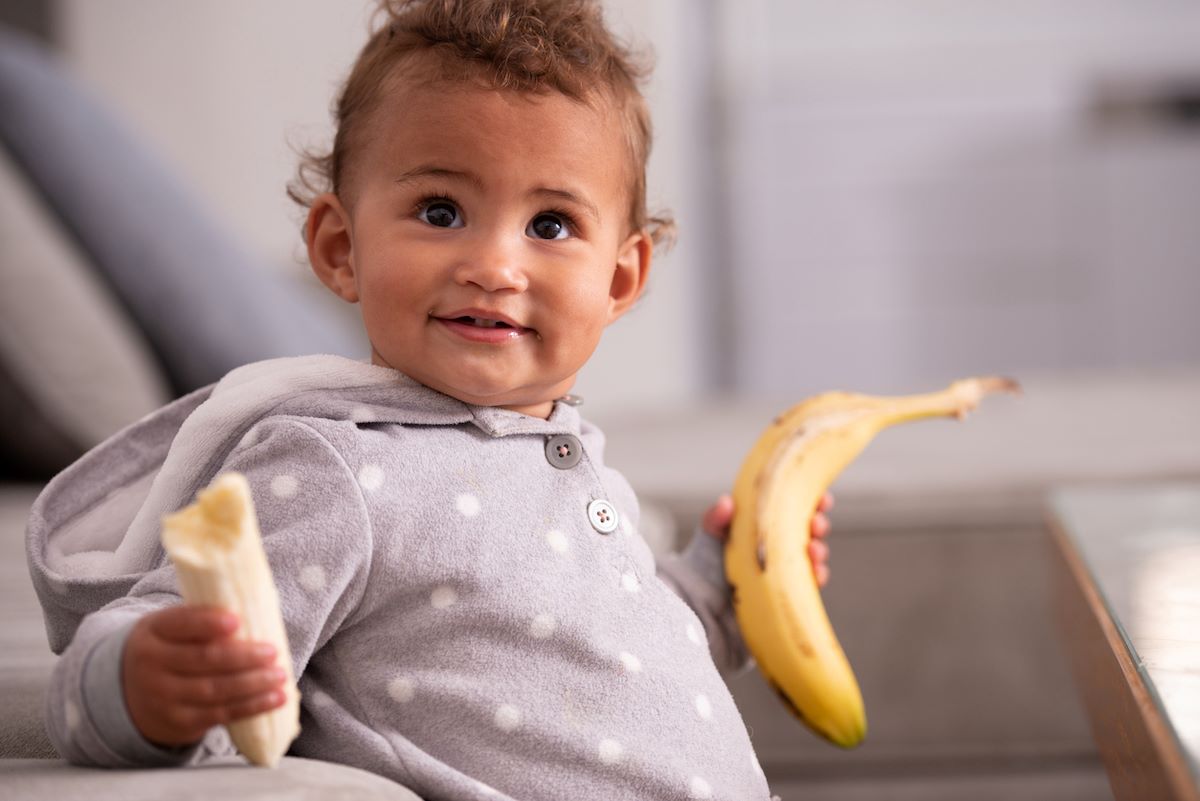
x: 633, y: 268
x: 330, y: 250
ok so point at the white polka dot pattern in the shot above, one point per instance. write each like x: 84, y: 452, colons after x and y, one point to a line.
x: 71, y: 716
x: 693, y: 634
x: 631, y: 662
x: 630, y: 582
x: 362, y: 415
x: 610, y: 751
x: 703, y: 706
x: 370, y: 477
x: 284, y: 486
x: 698, y: 788
x: 312, y: 578
x: 557, y: 540
x: 508, y: 717
x: 401, y: 689
x: 542, y: 626
x: 443, y: 597
x: 467, y: 504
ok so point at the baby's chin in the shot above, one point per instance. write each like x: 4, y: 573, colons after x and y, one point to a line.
x: 538, y: 403
x: 476, y: 390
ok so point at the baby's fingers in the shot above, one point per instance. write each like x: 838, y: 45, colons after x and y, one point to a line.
x: 218, y: 657
x: 718, y: 517
x: 818, y: 553
x: 228, y: 690
x: 196, y: 720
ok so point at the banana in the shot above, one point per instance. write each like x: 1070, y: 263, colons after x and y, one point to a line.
x: 776, y: 493
x: 218, y: 554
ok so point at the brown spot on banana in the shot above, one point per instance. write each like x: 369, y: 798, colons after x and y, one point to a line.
x: 799, y: 637
x: 787, y: 702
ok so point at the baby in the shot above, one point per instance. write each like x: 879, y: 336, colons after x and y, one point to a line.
x: 469, y: 606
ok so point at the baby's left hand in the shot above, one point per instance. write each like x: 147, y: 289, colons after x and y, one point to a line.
x: 718, y: 517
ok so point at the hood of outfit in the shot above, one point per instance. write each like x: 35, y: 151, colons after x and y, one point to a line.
x: 94, y: 530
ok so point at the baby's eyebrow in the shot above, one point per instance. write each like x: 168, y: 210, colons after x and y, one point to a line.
x: 433, y: 171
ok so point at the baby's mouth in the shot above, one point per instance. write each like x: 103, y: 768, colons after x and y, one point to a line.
x: 485, y: 329
x: 480, y: 322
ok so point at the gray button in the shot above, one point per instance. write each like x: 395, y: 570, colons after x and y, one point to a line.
x: 603, y: 516
x: 563, y: 451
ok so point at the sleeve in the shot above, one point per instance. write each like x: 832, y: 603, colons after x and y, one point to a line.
x: 318, y: 540
x: 697, y: 575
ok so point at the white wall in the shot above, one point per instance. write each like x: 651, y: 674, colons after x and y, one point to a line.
x: 922, y: 190
x: 222, y: 88
x: 884, y: 195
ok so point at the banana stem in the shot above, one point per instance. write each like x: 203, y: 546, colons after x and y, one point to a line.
x: 957, y: 400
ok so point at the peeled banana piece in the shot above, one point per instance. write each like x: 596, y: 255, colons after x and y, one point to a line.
x: 776, y: 493
x: 218, y: 554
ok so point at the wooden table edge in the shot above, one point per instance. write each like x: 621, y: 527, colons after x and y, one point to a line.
x: 1143, y: 757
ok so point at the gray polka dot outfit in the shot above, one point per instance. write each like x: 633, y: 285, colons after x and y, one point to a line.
x: 470, y: 608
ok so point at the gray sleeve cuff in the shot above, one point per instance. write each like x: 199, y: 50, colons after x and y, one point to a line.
x: 104, y: 699
x: 697, y: 575
x: 705, y: 554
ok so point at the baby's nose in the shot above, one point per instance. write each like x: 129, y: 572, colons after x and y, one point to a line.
x: 494, y: 266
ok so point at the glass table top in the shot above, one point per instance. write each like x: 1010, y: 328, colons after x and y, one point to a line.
x: 1142, y: 547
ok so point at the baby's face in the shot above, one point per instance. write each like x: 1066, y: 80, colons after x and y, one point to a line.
x: 487, y: 240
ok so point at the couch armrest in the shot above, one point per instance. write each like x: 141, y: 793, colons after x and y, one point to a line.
x: 295, y: 779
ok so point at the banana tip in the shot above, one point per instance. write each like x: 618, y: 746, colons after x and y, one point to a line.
x: 1002, y: 384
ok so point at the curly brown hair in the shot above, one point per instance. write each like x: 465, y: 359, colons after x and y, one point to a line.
x: 533, y: 46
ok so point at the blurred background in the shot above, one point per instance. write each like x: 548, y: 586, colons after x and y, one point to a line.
x: 872, y: 195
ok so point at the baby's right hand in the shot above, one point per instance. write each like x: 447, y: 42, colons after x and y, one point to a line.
x: 182, y: 673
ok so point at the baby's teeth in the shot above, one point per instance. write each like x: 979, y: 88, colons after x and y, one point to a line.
x: 485, y: 323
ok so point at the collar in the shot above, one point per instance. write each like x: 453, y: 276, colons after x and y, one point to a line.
x: 358, y: 391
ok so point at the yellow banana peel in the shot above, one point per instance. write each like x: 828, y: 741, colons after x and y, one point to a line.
x: 776, y: 493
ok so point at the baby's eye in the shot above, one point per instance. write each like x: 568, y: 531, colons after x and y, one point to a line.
x: 441, y: 213
x: 548, y: 226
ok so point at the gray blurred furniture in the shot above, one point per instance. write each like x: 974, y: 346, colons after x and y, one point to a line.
x: 117, y: 292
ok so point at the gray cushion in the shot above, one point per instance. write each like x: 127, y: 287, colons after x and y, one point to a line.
x: 72, y: 368
x: 205, y: 305
x: 23, y: 734
x: 25, y: 658
x: 294, y: 779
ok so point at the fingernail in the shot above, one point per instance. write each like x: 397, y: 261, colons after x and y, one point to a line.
x: 278, y: 674
x: 264, y: 650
